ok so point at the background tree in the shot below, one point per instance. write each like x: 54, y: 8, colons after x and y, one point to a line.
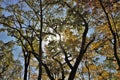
x: 9, y: 68
x: 67, y: 39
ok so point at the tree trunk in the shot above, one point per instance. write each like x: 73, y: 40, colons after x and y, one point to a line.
x: 81, y: 54
x: 40, y: 43
x: 25, y: 70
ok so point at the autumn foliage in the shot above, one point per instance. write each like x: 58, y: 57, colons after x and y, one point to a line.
x: 63, y: 39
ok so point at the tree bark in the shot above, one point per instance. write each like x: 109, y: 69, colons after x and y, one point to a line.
x: 25, y: 71
x: 40, y: 43
x: 81, y: 54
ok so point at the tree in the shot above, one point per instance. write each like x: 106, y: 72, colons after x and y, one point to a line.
x: 9, y: 68
x: 66, y: 37
x: 114, y: 33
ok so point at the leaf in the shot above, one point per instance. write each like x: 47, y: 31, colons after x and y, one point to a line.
x: 44, y: 77
x: 96, y: 45
x: 73, y: 38
x: 100, y: 78
x: 105, y: 74
x: 92, y: 67
x: 84, y: 69
x: 2, y: 29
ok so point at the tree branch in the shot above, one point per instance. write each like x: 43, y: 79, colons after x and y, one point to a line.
x: 66, y: 57
x: 113, y: 34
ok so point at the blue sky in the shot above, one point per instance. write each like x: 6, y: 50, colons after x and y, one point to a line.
x: 5, y: 38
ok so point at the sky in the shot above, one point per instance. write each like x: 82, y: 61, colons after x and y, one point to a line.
x: 5, y: 38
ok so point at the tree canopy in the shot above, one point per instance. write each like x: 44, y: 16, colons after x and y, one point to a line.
x: 61, y: 39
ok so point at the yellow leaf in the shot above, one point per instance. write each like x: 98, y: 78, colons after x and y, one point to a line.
x: 118, y: 74
x: 44, y: 77
x: 96, y: 45
x: 84, y: 69
x: 73, y: 38
x: 100, y: 78
x: 105, y: 74
x: 92, y: 67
